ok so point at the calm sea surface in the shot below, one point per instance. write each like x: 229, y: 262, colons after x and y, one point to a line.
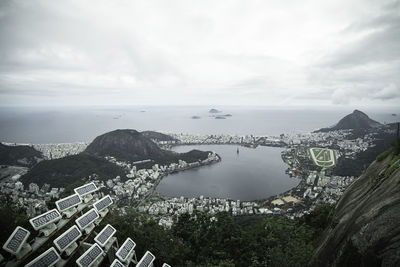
x: 251, y: 174
x: 59, y: 125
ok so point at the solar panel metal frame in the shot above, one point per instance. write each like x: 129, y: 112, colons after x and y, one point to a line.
x: 84, y: 215
x: 101, y: 200
x: 88, y: 252
x: 96, y: 239
x: 76, y: 190
x: 141, y: 262
x: 41, y: 256
x: 121, y: 248
x: 117, y: 263
x: 58, y: 202
x: 61, y: 249
x: 43, y: 215
x: 20, y: 245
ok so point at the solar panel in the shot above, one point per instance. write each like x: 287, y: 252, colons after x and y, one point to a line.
x: 117, y: 263
x: 68, y: 202
x: 86, y: 189
x: 127, y: 247
x: 104, y: 236
x: 90, y: 256
x: 16, y: 240
x: 48, y: 258
x: 146, y: 260
x: 87, y: 218
x: 103, y: 203
x: 45, y: 219
x: 67, y: 238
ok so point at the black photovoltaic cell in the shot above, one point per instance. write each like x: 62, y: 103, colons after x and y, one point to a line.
x: 17, y: 239
x: 87, y: 218
x: 127, y: 248
x: 103, y: 203
x: 69, y: 236
x: 68, y: 202
x: 146, y: 260
x: 48, y: 258
x: 92, y: 254
x: 117, y: 263
x: 45, y: 218
x: 85, y: 189
x: 105, y: 234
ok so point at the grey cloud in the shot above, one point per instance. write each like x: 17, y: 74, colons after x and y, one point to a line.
x: 177, y: 51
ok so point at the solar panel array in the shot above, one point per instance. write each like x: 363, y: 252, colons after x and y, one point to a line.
x: 87, y: 218
x: 45, y: 219
x: 16, y: 240
x: 86, y: 189
x: 103, y: 203
x: 68, y: 237
x: 90, y: 256
x: 146, y: 260
x: 105, y: 235
x: 68, y: 202
x: 48, y: 258
x: 126, y: 249
x: 117, y: 263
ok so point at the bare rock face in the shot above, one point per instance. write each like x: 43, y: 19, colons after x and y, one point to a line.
x: 366, y: 224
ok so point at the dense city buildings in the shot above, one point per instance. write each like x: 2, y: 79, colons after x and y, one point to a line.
x: 137, y: 189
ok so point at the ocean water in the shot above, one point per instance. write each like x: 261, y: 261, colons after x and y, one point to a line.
x: 251, y: 174
x: 75, y: 124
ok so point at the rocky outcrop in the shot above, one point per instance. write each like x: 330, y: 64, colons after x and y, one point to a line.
x: 366, y: 225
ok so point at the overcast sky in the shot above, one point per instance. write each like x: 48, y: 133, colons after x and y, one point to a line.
x: 218, y: 52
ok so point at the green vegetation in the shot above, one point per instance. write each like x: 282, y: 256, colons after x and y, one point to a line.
x: 11, y: 217
x: 384, y: 154
x: 69, y: 171
x: 19, y: 155
x: 321, y: 217
x: 202, y: 240
x: 224, y: 240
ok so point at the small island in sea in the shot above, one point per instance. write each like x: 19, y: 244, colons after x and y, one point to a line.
x: 213, y: 110
x: 220, y: 117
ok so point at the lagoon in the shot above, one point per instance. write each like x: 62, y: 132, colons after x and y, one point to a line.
x: 252, y: 174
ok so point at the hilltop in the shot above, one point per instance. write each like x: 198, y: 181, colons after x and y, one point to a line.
x: 25, y: 156
x: 124, y: 145
x: 131, y: 145
x: 357, y: 121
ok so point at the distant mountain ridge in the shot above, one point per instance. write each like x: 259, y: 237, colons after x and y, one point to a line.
x: 357, y: 121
